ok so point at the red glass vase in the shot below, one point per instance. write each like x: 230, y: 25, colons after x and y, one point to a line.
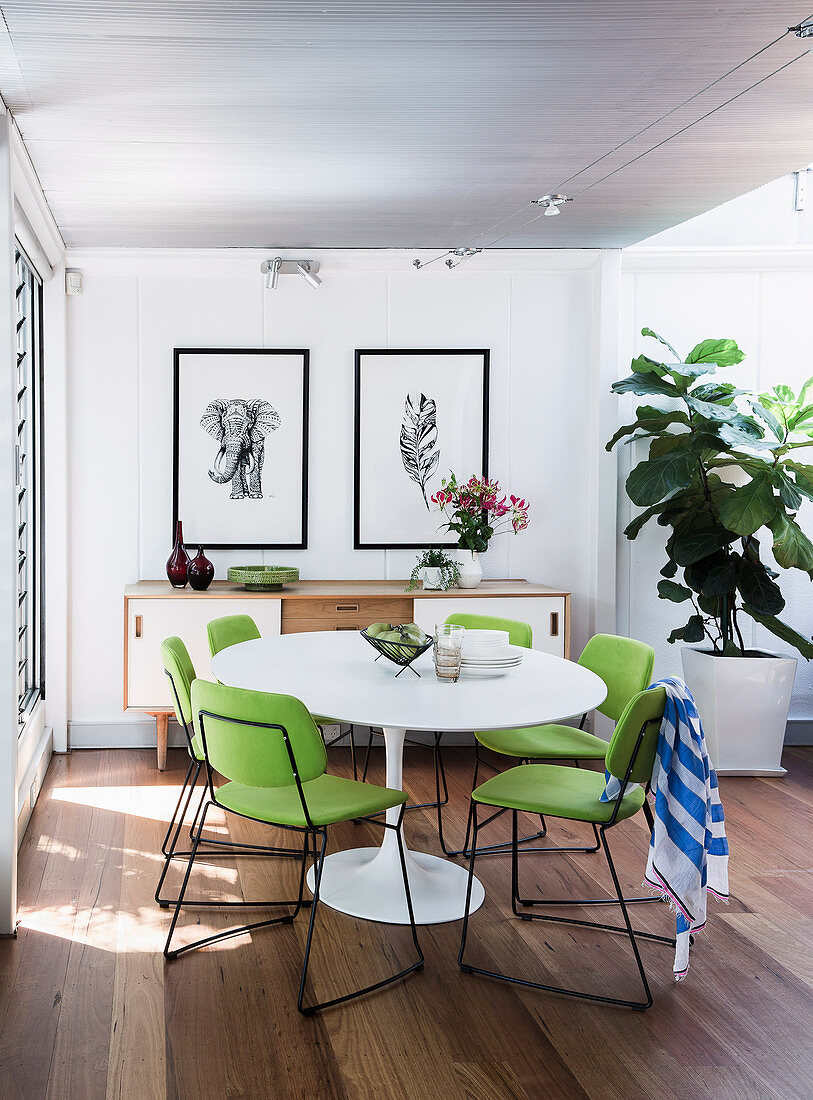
x: 200, y: 571
x: 178, y: 562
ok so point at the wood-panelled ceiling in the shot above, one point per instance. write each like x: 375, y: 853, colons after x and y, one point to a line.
x: 195, y: 123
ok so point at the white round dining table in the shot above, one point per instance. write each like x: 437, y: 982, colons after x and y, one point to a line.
x: 336, y: 675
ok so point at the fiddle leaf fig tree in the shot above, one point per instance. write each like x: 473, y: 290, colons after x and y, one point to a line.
x: 722, y: 467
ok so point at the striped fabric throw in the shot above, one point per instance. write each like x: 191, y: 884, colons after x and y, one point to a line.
x: 688, y: 850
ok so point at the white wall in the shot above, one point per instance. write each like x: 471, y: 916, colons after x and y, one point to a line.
x: 762, y: 298
x: 540, y: 313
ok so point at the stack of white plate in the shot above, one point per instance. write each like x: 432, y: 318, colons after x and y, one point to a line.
x: 487, y: 653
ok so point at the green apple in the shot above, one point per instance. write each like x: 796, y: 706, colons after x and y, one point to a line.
x: 378, y: 628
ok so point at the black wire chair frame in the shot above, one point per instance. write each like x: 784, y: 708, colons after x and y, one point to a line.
x: 214, y: 846
x: 516, y: 900
x: 309, y: 831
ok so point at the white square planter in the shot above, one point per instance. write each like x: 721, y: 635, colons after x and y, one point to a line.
x: 743, y: 704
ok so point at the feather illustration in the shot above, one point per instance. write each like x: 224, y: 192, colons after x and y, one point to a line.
x: 420, y: 453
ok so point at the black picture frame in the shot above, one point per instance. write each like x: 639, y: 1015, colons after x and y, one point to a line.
x: 218, y: 544
x: 449, y: 540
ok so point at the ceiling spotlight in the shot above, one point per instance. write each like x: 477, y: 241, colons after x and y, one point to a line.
x: 304, y: 267
x: 464, y: 253
x: 804, y: 30
x: 551, y: 203
x: 272, y: 269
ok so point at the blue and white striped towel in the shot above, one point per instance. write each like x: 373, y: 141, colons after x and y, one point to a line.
x: 688, y: 850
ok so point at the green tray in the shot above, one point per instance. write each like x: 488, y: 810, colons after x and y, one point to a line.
x: 262, y: 578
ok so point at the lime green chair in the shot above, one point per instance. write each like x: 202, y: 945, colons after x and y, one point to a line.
x: 625, y: 665
x: 231, y: 630
x: 181, y: 674
x: 574, y: 795
x: 273, y: 762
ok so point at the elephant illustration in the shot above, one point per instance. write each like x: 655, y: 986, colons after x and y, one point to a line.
x: 240, y: 427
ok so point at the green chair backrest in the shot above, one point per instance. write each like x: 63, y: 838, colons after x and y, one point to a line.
x: 230, y: 630
x: 625, y: 666
x: 178, y: 664
x: 249, y: 754
x: 646, y: 706
x: 518, y: 633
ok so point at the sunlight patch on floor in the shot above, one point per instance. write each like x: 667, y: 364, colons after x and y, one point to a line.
x: 152, y: 803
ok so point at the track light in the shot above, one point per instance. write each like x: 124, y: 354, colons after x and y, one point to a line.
x: 272, y: 269
x: 305, y: 269
x: 551, y: 203
x: 804, y: 30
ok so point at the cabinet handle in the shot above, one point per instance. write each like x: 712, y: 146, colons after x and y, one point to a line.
x: 347, y: 607
x: 345, y: 628
x: 554, y: 624
x: 139, y: 625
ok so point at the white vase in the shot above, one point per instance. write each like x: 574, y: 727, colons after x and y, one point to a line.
x: 431, y: 577
x: 743, y: 704
x: 471, y: 572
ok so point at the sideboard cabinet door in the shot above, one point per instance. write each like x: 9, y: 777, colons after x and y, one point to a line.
x: 150, y: 620
x: 546, y: 615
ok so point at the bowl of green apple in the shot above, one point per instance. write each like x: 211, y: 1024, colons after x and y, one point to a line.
x: 399, y: 643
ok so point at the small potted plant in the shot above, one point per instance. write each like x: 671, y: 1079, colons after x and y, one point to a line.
x: 476, y: 512
x: 721, y: 469
x: 435, y: 570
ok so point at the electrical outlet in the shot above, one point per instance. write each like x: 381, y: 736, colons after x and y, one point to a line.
x: 32, y: 794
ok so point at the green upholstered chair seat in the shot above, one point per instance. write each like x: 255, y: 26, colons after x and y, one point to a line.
x: 550, y: 742
x: 330, y: 799
x: 569, y: 793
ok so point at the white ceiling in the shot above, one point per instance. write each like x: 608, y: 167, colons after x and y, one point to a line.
x: 195, y: 123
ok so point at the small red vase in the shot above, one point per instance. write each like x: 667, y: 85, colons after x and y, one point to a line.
x: 200, y: 572
x: 178, y: 562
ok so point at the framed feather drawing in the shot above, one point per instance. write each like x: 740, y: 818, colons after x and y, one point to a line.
x: 419, y: 414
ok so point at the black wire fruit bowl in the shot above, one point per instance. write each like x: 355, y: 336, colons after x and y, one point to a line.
x: 401, y: 652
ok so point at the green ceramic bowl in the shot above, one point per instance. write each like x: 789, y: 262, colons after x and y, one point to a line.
x: 262, y: 578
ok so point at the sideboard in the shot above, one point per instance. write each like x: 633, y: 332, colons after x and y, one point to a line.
x: 153, y: 610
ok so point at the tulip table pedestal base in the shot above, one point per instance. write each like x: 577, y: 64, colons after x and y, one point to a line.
x: 367, y: 882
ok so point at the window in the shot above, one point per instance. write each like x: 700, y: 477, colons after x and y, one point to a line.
x: 30, y: 656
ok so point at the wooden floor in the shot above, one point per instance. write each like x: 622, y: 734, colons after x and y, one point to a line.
x: 89, y: 1008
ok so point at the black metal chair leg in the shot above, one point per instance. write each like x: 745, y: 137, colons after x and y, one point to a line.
x: 310, y: 1010
x: 171, y: 825
x: 627, y: 929
x: 491, y: 849
x: 227, y: 933
x: 353, y: 751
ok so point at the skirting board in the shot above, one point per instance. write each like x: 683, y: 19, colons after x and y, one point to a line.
x: 141, y: 735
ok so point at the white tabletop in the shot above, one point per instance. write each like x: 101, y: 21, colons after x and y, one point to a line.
x: 336, y: 675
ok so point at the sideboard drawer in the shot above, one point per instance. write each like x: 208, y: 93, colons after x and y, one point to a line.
x: 335, y: 614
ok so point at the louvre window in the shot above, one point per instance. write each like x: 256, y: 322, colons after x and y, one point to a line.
x: 29, y: 488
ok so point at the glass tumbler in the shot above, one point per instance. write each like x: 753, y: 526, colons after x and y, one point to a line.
x: 448, y: 650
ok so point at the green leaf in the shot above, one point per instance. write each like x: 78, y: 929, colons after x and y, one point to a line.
x: 798, y: 421
x: 657, y: 478
x: 692, y: 632
x: 677, y: 593
x: 804, y: 478
x: 791, y: 546
x: 683, y: 372
x: 660, y: 339
x: 783, y: 631
x: 721, y: 579
x: 697, y: 538
x: 722, y: 393
x: 711, y: 411
x: 757, y: 589
x: 642, y: 364
x: 632, y: 529
x: 784, y: 395
x: 649, y: 419
x: 806, y: 392
x: 723, y: 353
x: 670, y: 569
x: 770, y: 418
x: 709, y: 604
x: 732, y: 435
x: 646, y: 384
x: 750, y: 507
x: 788, y: 492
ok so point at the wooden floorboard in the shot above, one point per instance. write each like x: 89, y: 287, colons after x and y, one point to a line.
x: 89, y: 1009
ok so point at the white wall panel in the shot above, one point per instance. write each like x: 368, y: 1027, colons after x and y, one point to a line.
x: 534, y: 310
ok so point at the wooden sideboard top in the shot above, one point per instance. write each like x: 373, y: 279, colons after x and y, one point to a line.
x: 314, y: 589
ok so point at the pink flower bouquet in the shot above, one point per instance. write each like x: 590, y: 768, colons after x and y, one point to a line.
x: 475, y: 511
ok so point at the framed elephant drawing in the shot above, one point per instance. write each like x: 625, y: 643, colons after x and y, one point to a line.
x: 240, y: 447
